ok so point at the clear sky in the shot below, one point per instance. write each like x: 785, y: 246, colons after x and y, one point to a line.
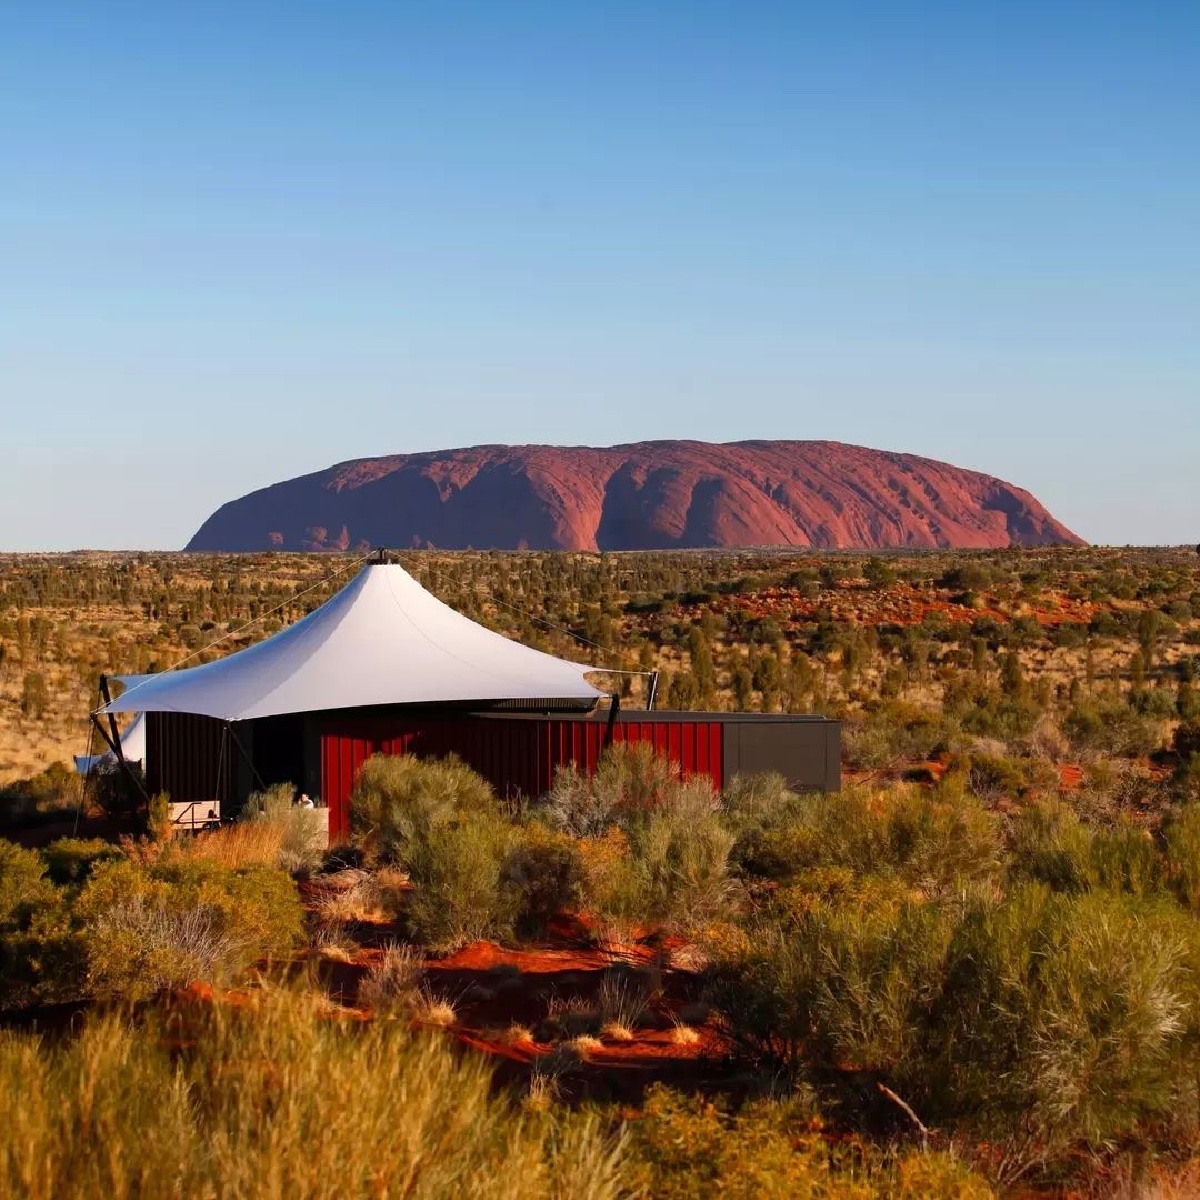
x: 242, y: 241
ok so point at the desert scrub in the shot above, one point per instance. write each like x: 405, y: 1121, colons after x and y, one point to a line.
x: 1052, y: 846
x: 1066, y: 1017
x: 688, y: 1147
x: 938, y: 841
x: 399, y: 801
x: 836, y: 982
x: 393, y: 983
x: 630, y: 781
x: 148, y: 928
x: 680, y: 864
x: 276, y: 1104
x: 71, y: 860
x: 301, y: 834
x: 1182, y: 837
x: 41, y: 959
x: 460, y: 891
x: 545, y: 869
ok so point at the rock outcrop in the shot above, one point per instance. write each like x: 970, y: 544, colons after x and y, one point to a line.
x: 642, y: 496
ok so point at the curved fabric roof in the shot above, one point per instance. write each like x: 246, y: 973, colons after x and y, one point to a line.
x: 383, y: 639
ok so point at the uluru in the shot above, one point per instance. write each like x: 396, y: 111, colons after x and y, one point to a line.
x: 641, y: 496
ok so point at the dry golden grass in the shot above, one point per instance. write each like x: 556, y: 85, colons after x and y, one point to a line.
x: 586, y: 1045
x: 614, y: 1031
x: 684, y: 1035
x: 432, y: 1009
x: 1172, y: 1182
x: 517, y: 1035
x: 247, y: 844
x: 278, y: 1104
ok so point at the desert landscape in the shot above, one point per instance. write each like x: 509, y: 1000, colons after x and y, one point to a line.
x: 969, y: 973
x: 599, y: 601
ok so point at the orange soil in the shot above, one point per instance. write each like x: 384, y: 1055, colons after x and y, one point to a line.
x: 493, y: 987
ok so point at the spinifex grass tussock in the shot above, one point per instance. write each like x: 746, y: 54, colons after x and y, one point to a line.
x: 245, y: 844
x: 392, y: 984
x: 278, y: 1105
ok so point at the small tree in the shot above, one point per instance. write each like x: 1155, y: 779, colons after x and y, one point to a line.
x: 34, y: 695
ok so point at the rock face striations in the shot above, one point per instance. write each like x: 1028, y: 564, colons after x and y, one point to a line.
x: 643, y: 496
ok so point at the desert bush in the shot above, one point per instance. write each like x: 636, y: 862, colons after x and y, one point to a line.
x: 679, y: 870
x: 893, y: 732
x: 545, y: 869
x: 24, y: 886
x: 684, y: 1147
x: 1053, y: 846
x: 71, y: 860
x: 305, y: 840
x: 158, y: 817
x: 40, y: 958
x: 751, y: 799
x: 392, y: 983
x: 148, y: 928
x: 272, y: 803
x: 937, y: 841
x: 630, y: 779
x: 1182, y: 839
x: 1063, y: 1016
x: 838, y: 983
x: 398, y: 800
x: 48, y: 794
x: 279, y: 1105
x: 461, y: 892
x: 1108, y: 725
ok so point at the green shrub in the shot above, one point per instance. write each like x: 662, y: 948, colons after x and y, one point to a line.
x: 891, y: 733
x: 1063, y: 1017
x: 1052, y: 846
x: 24, y: 887
x: 40, y: 959
x: 148, y: 928
x: 685, y: 1147
x: 399, y: 800
x: 461, y: 890
x: 158, y: 817
x: 271, y: 804
x: 681, y: 869
x: 935, y: 841
x: 1182, y: 837
x: 1108, y: 725
x: 71, y: 860
x: 630, y: 781
x: 545, y: 869
x: 754, y: 799
x: 837, y: 983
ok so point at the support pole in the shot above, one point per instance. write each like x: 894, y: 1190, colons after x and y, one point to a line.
x: 115, y: 741
x: 653, y: 691
x: 115, y: 746
x: 614, y: 710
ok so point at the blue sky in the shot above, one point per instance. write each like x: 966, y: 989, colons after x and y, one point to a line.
x: 239, y: 242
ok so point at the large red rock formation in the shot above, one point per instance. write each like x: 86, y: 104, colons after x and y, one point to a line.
x: 643, y: 496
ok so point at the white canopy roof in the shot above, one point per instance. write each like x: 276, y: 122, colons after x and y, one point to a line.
x: 383, y: 639
x: 133, y: 748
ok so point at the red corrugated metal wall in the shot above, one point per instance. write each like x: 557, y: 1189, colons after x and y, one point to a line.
x: 517, y: 756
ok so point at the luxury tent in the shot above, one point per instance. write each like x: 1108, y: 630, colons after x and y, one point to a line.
x: 385, y: 667
x: 383, y: 639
